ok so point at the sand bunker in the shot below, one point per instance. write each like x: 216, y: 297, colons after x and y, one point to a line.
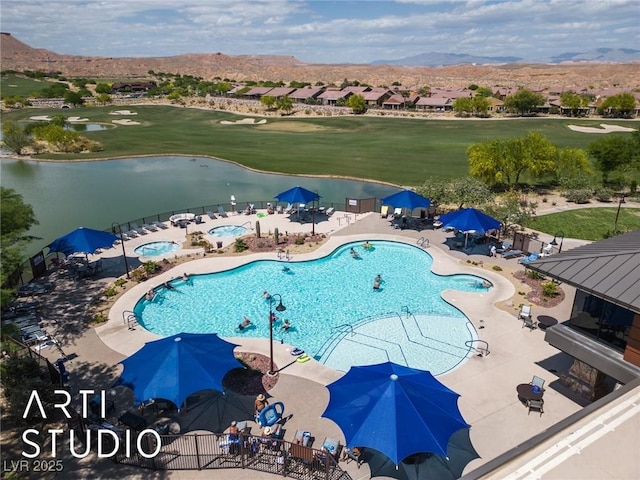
x: 125, y: 121
x: 604, y: 128
x: 244, y: 121
x: 41, y: 118
x: 123, y: 112
x: 77, y: 119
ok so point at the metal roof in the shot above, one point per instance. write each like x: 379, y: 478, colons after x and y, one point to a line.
x: 609, y: 269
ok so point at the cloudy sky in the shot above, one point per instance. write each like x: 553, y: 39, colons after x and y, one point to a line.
x: 343, y: 31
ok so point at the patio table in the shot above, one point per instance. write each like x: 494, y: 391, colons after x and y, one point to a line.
x: 526, y: 392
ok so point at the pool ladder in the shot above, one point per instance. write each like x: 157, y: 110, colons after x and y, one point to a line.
x: 247, y: 223
x: 483, y: 351
x: 423, y: 242
x: 130, y: 319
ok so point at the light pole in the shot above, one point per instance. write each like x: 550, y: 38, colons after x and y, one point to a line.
x: 279, y: 308
x: 124, y: 254
x: 615, y: 224
x: 313, y: 213
x: 554, y: 241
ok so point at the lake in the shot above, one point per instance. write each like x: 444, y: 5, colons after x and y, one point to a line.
x: 68, y: 195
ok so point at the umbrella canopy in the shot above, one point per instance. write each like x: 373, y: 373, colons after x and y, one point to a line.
x: 82, y: 240
x: 213, y: 411
x: 297, y: 195
x: 468, y: 219
x: 394, y: 409
x: 175, y: 367
x: 406, y: 199
x: 421, y: 466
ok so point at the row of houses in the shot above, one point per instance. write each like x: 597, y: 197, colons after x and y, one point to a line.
x: 434, y: 99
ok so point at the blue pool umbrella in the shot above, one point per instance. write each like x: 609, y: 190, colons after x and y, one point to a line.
x: 297, y: 195
x: 406, y: 199
x: 175, y: 367
x: 468, y: 219
x: 396, y: 410
x: 82, y: 240
x: 460, y: 452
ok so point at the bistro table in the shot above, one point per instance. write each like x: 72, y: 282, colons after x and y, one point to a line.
x: 526, y: 392
x: 545, y: 321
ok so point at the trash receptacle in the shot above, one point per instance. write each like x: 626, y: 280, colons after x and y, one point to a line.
x: 219, y: 244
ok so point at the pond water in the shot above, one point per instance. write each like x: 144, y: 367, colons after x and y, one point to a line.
x: 88, y: 127
x: 67, y: 195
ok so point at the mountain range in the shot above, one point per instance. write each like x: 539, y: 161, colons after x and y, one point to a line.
x: 436, y: 59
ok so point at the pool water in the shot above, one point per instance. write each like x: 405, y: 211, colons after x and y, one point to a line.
x: 155, y: 249
x: 336, y: 316
x: 228, y: 231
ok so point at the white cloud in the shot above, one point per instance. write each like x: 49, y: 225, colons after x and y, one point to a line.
x: 315, y: 31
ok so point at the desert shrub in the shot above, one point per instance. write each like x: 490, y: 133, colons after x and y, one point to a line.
x: 110, y: 291
x: 549, y: 289
x: 139, y: 275
x: 497, y: 268
x: 534, y: 275
x: 151, y: 266
x: 604, y: 195
x: 120, y: 282
x: 240, y: 245
x: 99, y: 317
x: 299, y: 240
x: 582, y: 195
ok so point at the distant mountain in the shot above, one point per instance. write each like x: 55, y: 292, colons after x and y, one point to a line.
x: 436, y: 59
x: 615, y: 55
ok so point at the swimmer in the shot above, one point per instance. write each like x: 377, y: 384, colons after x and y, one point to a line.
x: 286, y: 269
x: 376, y: 285
x: 245, y: 323
x: 486, y: 284
x: 285, y: 325
x: 366, y: 245
x: 266, y: 295
x: 273, y: 317
x: 185, y: 277
x: 378, y: 278
x: 168, y: 286
x: 354, y: 254
x: 150, y: 295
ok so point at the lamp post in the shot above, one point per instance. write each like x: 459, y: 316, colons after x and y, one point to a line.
x: 124, y: 254
x: 554, y: 242
x: 280, y: 308
x: 313, y: 214
x: 615, y: 224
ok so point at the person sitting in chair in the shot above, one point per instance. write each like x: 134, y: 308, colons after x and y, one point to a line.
x: 260, y: 403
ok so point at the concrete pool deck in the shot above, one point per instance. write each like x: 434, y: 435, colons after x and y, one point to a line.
x: 487, y: 384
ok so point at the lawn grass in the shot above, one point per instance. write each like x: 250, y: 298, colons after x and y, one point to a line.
x: 588, y: 223
x: 402, y: 151
x: 18, y: 86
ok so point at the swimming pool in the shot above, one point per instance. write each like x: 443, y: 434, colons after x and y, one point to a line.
x: 155, y: 249
x: 228, y: 231
x: 336, y: 315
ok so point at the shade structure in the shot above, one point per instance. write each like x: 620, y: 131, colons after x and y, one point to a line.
x: 175, y: 367
x: 82, y: 240
x: 468, y: 219
x: 406, y: 199
x: 396, y: 410
x: 424, y: 466
x: 297, y: 194
x: 214, y: 411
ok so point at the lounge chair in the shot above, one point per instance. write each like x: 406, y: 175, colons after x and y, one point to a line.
x: 270, y: 414
x: 538, y: 382
x: 212, y: 215
x: 137, y: 229
x: 329, y: 211
x: 333, y: 447
x: 397, y: 212
x: 129, y: 234
x: 512, y: 254
x: 354, y: 454
x: 288, y: 208
x: 160, y: 224
x: 221, y: 212
x: 384, y: 211
x: 150, y: 226
x: 531, y: 258
x: 525, y: 312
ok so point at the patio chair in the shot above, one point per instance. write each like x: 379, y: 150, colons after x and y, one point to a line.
x: 137, y: 229
x: 212, y: 215
x: 221, y: 212
x: 384, y: 211
x: 525, y: 312
x: 130, y: 234
x: 271, y: 414
x: 397, y: 212
x: 529, y: 322
x: 150, y: 226
x: 538, y: 382
x: 353, y: 454
x: 531, y: 258
x: 288, y: 208
x: 329, y: 211
x: 536, y: 406
x: 333, y: 447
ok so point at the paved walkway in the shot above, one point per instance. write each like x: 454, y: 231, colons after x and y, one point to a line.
x: 486, y: 384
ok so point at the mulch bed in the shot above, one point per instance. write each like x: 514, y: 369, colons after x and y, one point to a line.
x: 252, y: 380
x: 535, y: 296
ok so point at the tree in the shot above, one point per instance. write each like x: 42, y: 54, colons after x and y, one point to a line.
x: 463, y: 106
x: 621, y: 105
x: 103, y: 88
x: 74, y: 98
x: 505, y: 161
x: 15, y: 137
x: 268, y: 101
x: 480, y: 105
x: 462, y: 191
x: 573, y: 162
x: 285, y: 104
x: 523, y: 101
x: 612, y: 153
x: 512, y: 210
x: 16, y: 218
x: 357, y: 104
x: 484, y: 92
x: 103, y: 98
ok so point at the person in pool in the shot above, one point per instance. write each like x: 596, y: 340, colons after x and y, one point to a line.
x: 168, y: 286
x: 245, y: 323
x: 266, y: 295
x: 354, y: 254
x: 185, y: 277
x: 366, y: 245
x: 150, y: 295
x: 285, y: 325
